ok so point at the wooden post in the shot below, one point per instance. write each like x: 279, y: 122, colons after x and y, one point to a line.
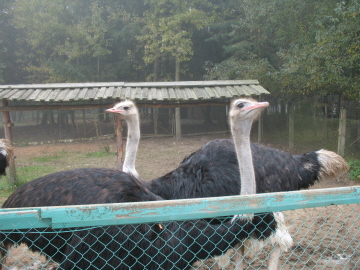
x: 260, y: 126
x: 291, y: 127
x: 8, y: 136
x: 177, y: 123
x: 342, y: 132
x: 119, y: 143
x: 84, y: 121
x: 156, y: 118
x: 177, y: 109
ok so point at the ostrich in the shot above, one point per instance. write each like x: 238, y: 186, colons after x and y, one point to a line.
x: 176, y: 245
x: 81, y: 186
x: 129, y: 112
x: 180, y: 243
x: 210, y: 171
x: 6, y: 154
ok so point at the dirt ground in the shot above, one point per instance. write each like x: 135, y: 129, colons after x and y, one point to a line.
x: 324, y: 238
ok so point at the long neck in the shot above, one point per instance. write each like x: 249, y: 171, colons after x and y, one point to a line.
x: 132, y: 143
x: 241, y: 136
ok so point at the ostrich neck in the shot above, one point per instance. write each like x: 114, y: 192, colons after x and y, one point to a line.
x: 241, y: 136
x: 132, y: 143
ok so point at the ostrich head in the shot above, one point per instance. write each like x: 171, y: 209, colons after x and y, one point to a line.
x: 126, y: 109
x: 245, y: 110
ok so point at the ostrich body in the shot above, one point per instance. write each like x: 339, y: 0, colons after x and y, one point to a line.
x: 174, y: 245
x: 6, y: 154
x: 213, y: 171
x: 129, y: 112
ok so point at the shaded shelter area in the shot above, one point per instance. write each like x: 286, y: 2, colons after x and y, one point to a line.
x: 75, y: 96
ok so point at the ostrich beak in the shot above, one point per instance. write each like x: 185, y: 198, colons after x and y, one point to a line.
x: 113, y: 110
x: 257, y: 105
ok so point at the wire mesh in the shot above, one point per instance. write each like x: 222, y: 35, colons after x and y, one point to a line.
x: 322, y: 238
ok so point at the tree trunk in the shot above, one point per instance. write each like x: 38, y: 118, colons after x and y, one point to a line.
x: 156, y: 69
x: 342, y: 132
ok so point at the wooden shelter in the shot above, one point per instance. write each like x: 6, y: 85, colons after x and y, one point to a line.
x: 73, y: 96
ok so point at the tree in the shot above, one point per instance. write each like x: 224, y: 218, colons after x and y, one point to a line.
x: 69, y: 41
x: 330, y: 61
x: 10, y: 73
x: 168, y: 29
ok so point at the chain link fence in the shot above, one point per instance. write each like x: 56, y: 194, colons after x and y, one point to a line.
x: 323, y: 224
x: 299, y: 127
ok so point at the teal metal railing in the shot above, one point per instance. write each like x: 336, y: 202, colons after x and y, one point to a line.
x: 309, y: 214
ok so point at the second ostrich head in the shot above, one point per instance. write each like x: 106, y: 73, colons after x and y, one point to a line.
x: 242, y: 114
x: 128, y: 111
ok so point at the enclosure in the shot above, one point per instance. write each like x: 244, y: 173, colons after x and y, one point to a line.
x: 323, y: 223
x: 324, y: 226
x: 297, y: 126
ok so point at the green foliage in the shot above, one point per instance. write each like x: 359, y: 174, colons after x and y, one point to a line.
x: 68, y: 40
x: 168, y: 27
x: 103, y: 152
x: 329, y: 59
x: 293, y: 48
x: 354, y: 172
x: 106, y: 147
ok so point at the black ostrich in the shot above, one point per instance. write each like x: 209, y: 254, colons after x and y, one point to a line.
x: 6, y: 154
x: 174, y: 245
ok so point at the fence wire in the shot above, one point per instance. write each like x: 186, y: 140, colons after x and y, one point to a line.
x: 323, y: 238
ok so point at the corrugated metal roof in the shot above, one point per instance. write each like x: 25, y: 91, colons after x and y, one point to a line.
x: 143, y: 91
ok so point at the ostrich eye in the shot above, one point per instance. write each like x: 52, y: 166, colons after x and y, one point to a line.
x: 240, y: 105
x: 126, y: 108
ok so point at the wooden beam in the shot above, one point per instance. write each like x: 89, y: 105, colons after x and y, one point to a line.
x: 130, y: 84
x: 107, y: 105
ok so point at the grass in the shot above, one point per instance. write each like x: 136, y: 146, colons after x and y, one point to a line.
x: 98, y: 154
x: 36, y: 167
x: 23, y: 175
